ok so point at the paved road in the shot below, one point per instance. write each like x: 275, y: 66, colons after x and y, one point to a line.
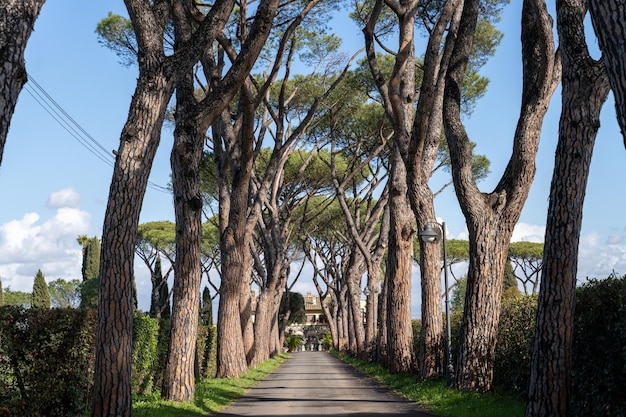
x: 318, y: 384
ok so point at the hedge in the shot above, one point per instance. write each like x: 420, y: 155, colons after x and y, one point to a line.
x: 47, y: 359
x: 46, y: 362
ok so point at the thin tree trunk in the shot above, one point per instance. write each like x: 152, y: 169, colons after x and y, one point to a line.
x: 584, y: 91
x: 17, y: 20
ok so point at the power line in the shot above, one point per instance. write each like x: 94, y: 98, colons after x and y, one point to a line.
x: 56, y: 111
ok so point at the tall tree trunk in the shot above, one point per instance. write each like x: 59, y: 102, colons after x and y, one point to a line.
x: 584, y: 91
x: 400, y: 353
x: 491, y: 217
x: 138, y: 143
x: 179, y: 378
x: 423, y: 149
x: 235, y: 250
x: 399, y: 97
x: 609, y: 22
x: 17, y: 20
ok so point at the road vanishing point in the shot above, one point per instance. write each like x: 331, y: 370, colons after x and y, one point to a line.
x: 318, y: 384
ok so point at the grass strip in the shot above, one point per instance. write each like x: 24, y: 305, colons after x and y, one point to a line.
x: 212, y: 394
x: 438, y: 399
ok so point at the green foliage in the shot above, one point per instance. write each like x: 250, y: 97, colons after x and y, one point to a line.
x: 16, y: 298
x: 64, y: 294
x: 599, y: 351
x: 90, y: 271
x: 207, y: 345
x: 46, y: 361
x: 162, y: 308
x: 116, y: 33
x: 509, y: 284
x: 291, y: 304
x: 457, y: 299
x: 41, y: 295
x: 145, y: 354
x: 1, y: 293
x: 292, y: 342
x: 327, y: 340
x: 514, y: 346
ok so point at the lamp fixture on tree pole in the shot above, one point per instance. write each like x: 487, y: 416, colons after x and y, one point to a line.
x: 428, y: 235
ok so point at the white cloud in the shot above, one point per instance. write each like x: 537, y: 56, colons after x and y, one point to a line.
x: 29, y: 244
x: 68, y: 197
x: 525, y: 232
x: 597, y: 259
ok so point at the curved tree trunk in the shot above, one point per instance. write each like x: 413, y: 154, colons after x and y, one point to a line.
x: 491, y: 217
x: 17, y: 20
x: 585, y: 89
x: 609, y: 22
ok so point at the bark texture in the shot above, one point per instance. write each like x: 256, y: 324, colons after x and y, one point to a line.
x: 609, y: 22
x: 491, y: 217
x: 139, y: 141
x: 179, y: 375
x: 398, y: 93
x: 17, y: 20
x: 158, y: 75
x: 584, y: 91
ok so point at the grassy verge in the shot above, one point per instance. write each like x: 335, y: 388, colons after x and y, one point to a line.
x: 437, y: 398
x: 212, y: 395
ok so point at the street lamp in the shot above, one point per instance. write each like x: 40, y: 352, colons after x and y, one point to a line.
x: 428, y: 235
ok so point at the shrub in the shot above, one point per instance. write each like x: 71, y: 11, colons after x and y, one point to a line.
x: 46, y: 361
x: 293, y: 342
x: 145, y: 354
x: 515, y: 343
x: 599, y: 353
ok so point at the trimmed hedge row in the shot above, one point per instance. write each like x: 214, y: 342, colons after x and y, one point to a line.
x: 46, y: 362
x: 47, y: 359
x: 599, y: 350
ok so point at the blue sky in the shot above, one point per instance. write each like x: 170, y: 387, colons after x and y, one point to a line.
x: 53, y: 189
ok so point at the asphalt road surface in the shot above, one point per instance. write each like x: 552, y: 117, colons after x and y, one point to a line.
x: 318, y: 384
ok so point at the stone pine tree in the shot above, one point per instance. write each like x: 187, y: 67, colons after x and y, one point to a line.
x: 585, y: 88
x: 491, y: 216
x: 90, y: 270
x: 41, y: 295
x: 17, y: 20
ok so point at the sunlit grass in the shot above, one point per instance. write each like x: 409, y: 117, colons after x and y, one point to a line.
x: 212, y: 395
x: 437, y: 399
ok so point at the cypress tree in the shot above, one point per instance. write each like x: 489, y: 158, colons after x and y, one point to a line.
x: 41, y: 295
x: 90, y: 271
x: 509, y: 285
